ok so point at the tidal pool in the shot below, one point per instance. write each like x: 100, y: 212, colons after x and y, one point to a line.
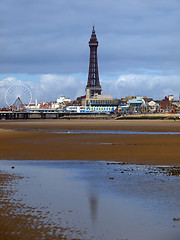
x: 102, y: 200
x: 83, y: 131
x: 70, y: 131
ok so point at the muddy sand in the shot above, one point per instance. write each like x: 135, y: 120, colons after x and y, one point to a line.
x: 29, y: 140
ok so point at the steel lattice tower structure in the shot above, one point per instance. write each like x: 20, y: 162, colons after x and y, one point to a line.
x: 93, y: 85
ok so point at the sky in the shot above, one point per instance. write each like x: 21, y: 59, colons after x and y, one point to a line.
x: 44, y: 45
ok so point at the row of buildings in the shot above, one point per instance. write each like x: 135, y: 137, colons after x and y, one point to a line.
x: 130, y: 104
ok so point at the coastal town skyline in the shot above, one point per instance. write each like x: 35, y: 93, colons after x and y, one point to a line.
x: 138, y: 52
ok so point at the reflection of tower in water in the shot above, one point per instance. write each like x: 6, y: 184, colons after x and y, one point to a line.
x: 93, y: 202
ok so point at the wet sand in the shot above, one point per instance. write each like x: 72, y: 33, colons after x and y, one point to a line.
x: 24, y: 144
x: 29, y: 142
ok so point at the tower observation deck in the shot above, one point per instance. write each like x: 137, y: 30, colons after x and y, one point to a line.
x: 93, y: 85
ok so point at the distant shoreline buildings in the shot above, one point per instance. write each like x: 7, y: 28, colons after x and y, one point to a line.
x: 94, y: 101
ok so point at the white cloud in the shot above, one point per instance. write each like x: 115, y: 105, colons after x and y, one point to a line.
x: 49, y: 87
x: 145, y: 85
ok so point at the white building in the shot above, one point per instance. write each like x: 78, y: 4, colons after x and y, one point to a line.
x: 63, y: 99
x: 137, y: 101
x: 55, y: 105
x: 153, y: 106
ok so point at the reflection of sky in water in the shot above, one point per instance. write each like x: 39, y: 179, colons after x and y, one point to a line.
x: 108, y: 201
x: 77, y: 131
x: 111, y: 132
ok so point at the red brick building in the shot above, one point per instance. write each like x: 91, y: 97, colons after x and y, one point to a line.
x: 165, y: 104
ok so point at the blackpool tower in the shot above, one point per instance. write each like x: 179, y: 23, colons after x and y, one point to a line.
x: 93, y: 85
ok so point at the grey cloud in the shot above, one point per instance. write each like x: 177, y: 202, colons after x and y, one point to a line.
x: 52, y: 36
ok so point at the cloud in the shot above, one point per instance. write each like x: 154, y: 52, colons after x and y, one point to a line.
x: 49, y: 87
x: 155, y: 86
x: 51, y: 37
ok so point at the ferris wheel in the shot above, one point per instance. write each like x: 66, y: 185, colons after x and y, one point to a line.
x: 18, y: 92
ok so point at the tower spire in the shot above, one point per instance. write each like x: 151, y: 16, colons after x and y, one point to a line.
x: 93, y: 84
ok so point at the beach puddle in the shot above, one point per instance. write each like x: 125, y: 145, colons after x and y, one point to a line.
x: 100, y: 200
x: 70, y: 131
x: 83, y: 131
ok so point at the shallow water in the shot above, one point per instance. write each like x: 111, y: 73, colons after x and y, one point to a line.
x: 83, y: 131
x: 111, y: 132
x: 103, y: 201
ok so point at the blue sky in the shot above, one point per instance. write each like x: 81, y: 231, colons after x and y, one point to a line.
x: 44, y: 44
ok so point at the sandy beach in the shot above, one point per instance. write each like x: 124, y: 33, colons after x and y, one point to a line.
x: 28, y: 140
x: 39, y: 140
